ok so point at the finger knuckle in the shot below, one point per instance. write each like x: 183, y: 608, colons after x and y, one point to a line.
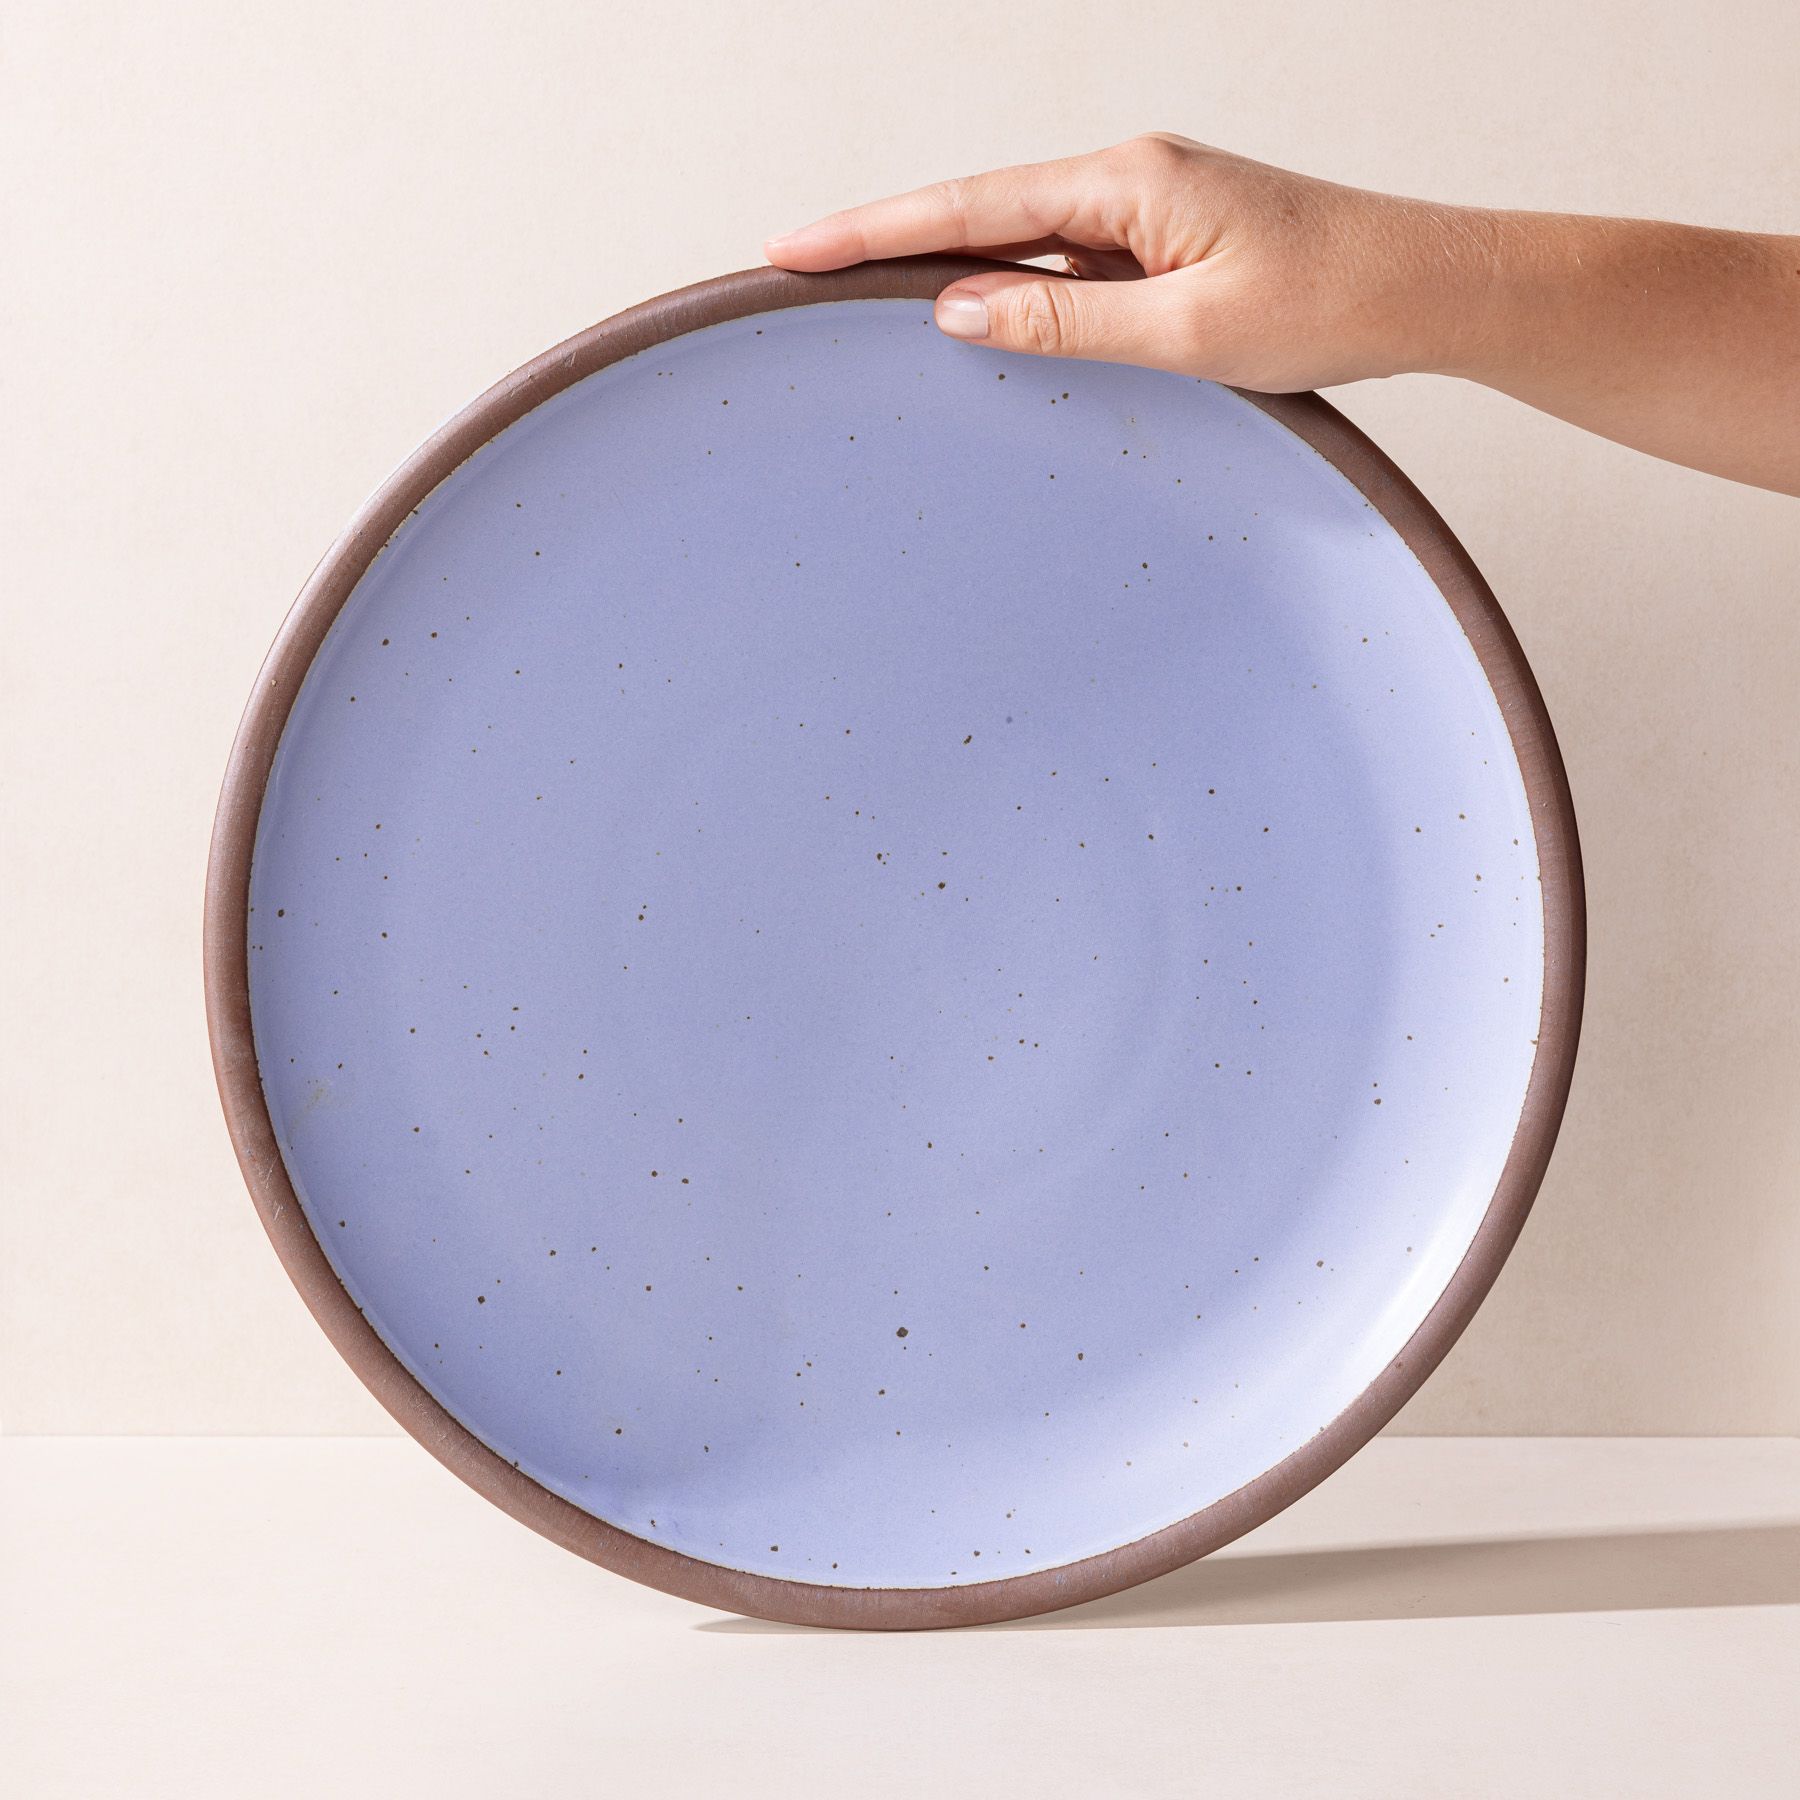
x: 1153, y: 152
x: 1044, y: 318
x: 954, y: 199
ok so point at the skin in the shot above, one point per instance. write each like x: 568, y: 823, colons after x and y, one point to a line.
x: 1677, y: 340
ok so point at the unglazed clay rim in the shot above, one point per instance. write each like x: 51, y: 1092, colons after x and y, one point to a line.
x: 771, y: 1597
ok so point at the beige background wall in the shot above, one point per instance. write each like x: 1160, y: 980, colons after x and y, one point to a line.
x: 251, y: 254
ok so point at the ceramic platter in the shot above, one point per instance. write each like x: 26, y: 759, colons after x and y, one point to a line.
x: 885, y: 984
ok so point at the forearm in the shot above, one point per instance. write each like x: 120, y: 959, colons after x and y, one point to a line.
x: 1677, y: 340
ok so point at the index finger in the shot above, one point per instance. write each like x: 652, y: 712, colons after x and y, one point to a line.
x: 1021, y: 206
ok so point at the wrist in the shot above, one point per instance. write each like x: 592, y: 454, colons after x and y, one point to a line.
x: 1442, y: 296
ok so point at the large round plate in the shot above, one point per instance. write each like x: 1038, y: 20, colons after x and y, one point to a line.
x: 884, y: 984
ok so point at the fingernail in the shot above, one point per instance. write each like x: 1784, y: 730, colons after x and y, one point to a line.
x: 787, y: 242
x: 962, y: 315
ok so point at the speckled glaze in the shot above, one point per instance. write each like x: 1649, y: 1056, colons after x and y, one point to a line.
x: 887, y: 966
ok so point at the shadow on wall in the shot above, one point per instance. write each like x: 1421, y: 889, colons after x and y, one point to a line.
x: 1705, y: 1566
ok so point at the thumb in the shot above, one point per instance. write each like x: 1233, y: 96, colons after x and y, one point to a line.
x: 1051, y: 315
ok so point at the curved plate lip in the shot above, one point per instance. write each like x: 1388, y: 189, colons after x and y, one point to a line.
x: 226, y: 953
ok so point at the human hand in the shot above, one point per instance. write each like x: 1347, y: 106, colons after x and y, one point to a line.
x: 1676, y: 339
x: 1191, y: 259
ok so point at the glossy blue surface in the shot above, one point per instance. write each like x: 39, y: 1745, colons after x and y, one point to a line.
x: 893, y: 965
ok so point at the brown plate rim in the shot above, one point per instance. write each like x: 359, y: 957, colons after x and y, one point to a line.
x: 803, y: 1602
